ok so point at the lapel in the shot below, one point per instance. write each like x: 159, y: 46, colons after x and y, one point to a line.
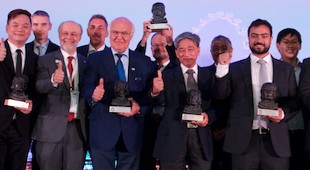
x: 133, y: 68
x: 179, y: 80
x: 30, y: 56
x: 202, y: 78
x: 60, y: 57
x: 276, y: 71
x: 245, y: 69
x: 8, y: 61
x: 81, y: 65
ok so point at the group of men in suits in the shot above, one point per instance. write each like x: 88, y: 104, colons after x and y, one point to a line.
x: 62, y: 87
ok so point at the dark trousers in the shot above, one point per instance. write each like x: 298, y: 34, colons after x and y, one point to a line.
x: 298, y: 159
x: 259, y: 155
x: 222, y: 159
x: 13, y: 149
x: 191, y: 154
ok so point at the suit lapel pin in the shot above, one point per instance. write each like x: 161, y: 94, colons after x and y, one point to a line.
x: 133, y: 69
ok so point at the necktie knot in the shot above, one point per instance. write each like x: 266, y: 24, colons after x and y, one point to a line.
x: 261, y: 62
x: 70, y: 58
x: 18, y: 51
x: 119, y: 55
x: 190, y: 71
x: 191, y: 82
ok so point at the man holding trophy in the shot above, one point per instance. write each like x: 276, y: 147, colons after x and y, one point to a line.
x: 187, y: 92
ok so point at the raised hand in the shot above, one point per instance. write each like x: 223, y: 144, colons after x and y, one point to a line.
x: 2, y: 50
x: 158, y: 83
x: 168, y: 33
x: 224, y: 58
x: 99, y: 91
x: 59, y: 74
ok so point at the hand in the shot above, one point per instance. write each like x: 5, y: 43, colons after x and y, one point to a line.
x: 146, y: 33
x: 168, y: 33
x: 135, y: 109
x: 58, y: 74
x: 278, y: 118
x: 204, y: 122
x: 219, y: 133
x: 158, y: 84
x: 2, y: 50
x: 25, y: 110
x: 224, y: 58
x: 99, y: 91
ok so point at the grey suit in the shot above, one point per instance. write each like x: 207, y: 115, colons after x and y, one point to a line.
x: 52, y: 127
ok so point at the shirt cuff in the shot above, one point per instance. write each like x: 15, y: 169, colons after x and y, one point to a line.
x: 221, y: 70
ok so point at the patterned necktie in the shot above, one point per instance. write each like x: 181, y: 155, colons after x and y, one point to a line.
x: 262, y: 122
x: 120, y: 67
x: 191, y: 82
x: 18, y: 66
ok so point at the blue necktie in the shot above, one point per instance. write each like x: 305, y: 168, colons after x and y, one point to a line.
x: 120, y: 68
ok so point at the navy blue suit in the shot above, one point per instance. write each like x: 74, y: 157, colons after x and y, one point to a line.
x: 105, y: 127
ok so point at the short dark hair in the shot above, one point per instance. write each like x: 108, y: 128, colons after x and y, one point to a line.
x: 17, y: 12
x: 187, y: 35
x: 259, y: 22
x: 41, y: 13
x: 99, y: 16
x: 221, y: 37
x: 288, y: 31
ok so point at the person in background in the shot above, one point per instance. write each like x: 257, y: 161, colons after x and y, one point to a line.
x: 222, y: 160
x: 257, y: 142
x: 289, y: 44
x: 15, y: 60
x: 60, y: 131
x: 97, y: 31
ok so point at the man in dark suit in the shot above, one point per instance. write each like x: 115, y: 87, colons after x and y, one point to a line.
x: 259, y: 142
x: 222, y: 160
x: 41, y: 25
x: 179, y: 142
x: 117, y: 135
x: 97, y: 31
x: 15, y: 124
x: 60, y: 128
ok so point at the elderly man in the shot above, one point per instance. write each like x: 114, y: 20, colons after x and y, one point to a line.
x: 117, y: 135
x: 60, y: 129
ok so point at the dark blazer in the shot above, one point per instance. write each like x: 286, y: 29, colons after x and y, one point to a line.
x: 50, y: 48
x: 238, y: 85
x: 106, y: 126
x: 304, y: 93
x: 83, y: 50
x: 52, y: 120
x: 7, y: 74
x: 172, y: 130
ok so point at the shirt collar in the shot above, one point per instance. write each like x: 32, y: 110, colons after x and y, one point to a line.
x: 184, y: 68
x: 126, y: 52
x: 92, y: 48
x: 14, y: 48
x: 44, y: 45
x: 66, y: 55
x: 267, y: 58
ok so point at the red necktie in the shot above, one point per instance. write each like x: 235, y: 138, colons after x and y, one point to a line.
x: 70, y: 68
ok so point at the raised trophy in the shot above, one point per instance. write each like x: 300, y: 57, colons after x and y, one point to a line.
x: 192, y: 110
x: 159, y: 22
x: 267, y: 106
x: 18, y: 97
x: 120, y: 104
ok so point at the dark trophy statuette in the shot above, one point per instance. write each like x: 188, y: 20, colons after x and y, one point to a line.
x: 267, y: 106
x: 120, y: 103
x: 159, y: 21
x: 18, y: 96
x: 192, y: 111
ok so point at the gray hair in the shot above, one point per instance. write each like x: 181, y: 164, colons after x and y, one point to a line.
x: 187, y: 35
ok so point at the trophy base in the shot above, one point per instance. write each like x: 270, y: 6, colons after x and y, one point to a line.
x: 16, y: 103
x: 191, y: 117
x: 158, y: 27
x: 119, y: 109
x: 267, y: 112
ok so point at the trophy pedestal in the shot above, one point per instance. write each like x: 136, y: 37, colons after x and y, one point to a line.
x: 191, y: 117
x: 267, y: 112
x: 119, y: 109
x: 16, y: 103
x: 158, y: 27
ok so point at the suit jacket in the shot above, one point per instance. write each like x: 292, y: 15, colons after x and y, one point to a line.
x: 106, y: 127
x: 172, y: 130
x: 304, y: 92
x: 83, y: 50
x: 238, y: 85
x: 50, y: 48
x: 7, y: 74
x: 52, y: 120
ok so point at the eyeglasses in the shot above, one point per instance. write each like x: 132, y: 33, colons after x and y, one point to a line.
x: 159, y: 45
x: 66, y: 34
x: 123, y: 33
x: 293, y: 43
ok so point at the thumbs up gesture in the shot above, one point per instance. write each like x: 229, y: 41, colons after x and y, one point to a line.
x: 58, y: 76
x: 2, y: 50
x: 158, y: 83
x: 99, y: 91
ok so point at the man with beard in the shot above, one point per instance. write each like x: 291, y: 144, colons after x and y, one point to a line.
x: 41, y: 25
x: 257, y: 142
x: 97, y: 31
